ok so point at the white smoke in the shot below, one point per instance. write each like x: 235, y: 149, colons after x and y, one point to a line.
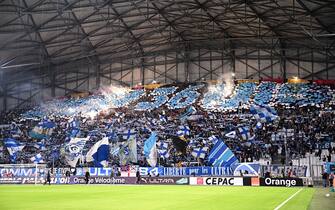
x: 114, y: 93
x: 228, y: 81
x: 224, y: 86
x: 218, y: 93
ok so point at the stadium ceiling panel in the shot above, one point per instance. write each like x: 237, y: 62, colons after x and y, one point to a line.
x: 37, y: 33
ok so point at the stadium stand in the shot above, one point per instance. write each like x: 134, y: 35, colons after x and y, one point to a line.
x: 188, y: 120
x: 98, y: 97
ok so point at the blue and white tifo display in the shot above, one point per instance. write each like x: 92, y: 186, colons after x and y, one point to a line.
x: 218, y: 97
x: 171, y: 125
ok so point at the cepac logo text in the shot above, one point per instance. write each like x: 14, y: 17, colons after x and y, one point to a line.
x: 219, y: 181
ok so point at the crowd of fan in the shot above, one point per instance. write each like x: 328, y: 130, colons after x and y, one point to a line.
x: 299, y: 130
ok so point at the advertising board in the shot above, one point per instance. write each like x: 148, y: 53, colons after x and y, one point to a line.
x: 103, y: 180
x: 281, y: 182
x: 223, y: 181
x: 21, y: 180
x: 165, y: 180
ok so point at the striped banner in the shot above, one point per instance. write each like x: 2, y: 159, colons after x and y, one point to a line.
x: 221, y: 155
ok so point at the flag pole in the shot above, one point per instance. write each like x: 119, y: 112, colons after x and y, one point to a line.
x: 35, y: 173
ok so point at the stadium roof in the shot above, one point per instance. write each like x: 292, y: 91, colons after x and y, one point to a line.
x: 35, y: 33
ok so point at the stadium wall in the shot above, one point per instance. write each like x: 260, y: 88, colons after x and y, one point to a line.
x: 209, y: 181
x: 17, y: 174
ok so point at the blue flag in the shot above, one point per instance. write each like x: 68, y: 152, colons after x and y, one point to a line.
x: 74, y: 132
x: 150, y: 150
x: 259, y: 126
x: 74, y: 128
x: 191, y: 110
x: 129, y: 134
x: 112, y: 135
x: 40, y: 145
x: 221, y: 155
x: 115, y: 150
x: 99, y: 153
x: 55, y: 154
x: 184, y: 130
x: 73, y: 150
x: 43, y: 130
x: 199, y: 152
x: 213, y: 139
x: 163, y: 118
x: 245, y: 133
x: 152, y: 122
x: 163, y: 150
x: 73, y: 123
x: 13, y: 147
x: 15, y: 130
x: 128, y: 152
x: 263, y: 113
x: 37, y: 159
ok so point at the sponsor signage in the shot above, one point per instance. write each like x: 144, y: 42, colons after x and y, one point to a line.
x: 250, y: 181
x: 281, y: 182
x: 94, y: 171
x: 70, y: 180
x: 21, y: 180
x: 103, y: 180
x: 165, y: 180
x: 185, y: 171
x: 11, y: 180
x: 93, y: 180
x: 59, y: 180
x: 20, y: 172
x: 129, y: 171
x: 223, y: 181
x: 254, y: 181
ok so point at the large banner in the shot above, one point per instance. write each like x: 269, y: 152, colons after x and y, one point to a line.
x: 165, y: 180
x: 223, y: 181
x: 246, y: 169
x: 185, y: 171
x: 277, y: 170
x: 281, y: 182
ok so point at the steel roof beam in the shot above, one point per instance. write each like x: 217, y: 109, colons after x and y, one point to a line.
x: 137, y: 41
x: 170, y: 23
x: 315, y: 17
x: 42, y: 24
